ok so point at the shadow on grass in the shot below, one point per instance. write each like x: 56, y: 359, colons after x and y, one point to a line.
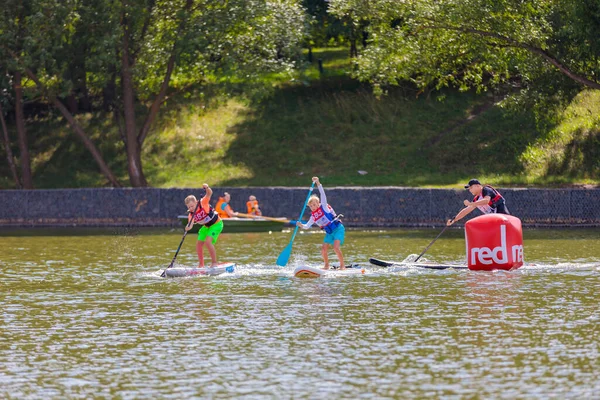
x: 60, y: 160
x: 581, y: 158
x: 331, y: 126
x: 335, y: 128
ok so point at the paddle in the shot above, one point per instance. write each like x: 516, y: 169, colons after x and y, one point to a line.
x: 432, y: 242
x: 282, y: 220
x: 283, y: 258
x: 381, y: 263
x: 164, y: 273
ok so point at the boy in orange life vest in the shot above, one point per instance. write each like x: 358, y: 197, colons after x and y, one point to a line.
x: 486, y: 198
x: 223, y: 208
x: 252, y: 206
x: 323, y: 215
x: 212, y: 225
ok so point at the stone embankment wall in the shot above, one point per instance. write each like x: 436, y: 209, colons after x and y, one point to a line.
x: 362, y: 207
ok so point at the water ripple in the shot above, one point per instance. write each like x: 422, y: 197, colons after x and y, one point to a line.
x: 97, y: 321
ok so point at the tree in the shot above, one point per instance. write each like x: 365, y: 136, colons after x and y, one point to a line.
x: 140, y: 45
x: 26, y: 177
x: 161, y: 38
x: 31, y: 34
x: 15, y: 34
x: 476, y: 43
x: 343, y: 27
x: 9, y: 154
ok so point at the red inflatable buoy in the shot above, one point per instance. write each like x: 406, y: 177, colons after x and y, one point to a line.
x: 494, y: 241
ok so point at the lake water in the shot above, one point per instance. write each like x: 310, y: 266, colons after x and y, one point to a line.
x: 86, y: 315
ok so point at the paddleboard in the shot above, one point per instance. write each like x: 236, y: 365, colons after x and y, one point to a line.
x: 177, y: 272
x: 313, y: 272
x: 409, y: 264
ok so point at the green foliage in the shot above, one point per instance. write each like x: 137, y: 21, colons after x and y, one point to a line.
x: 333, y: 128
x: 325, y: 28
x: 77, y: 49
x: 571, y: 149
x: 474, y: 43
x: 336, y: 128
x: 519, y: 65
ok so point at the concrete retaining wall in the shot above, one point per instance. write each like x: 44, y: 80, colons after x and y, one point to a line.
x: 368, y: 207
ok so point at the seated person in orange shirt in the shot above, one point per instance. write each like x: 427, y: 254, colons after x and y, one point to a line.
x: 223, y: 208
x: 252, y: 206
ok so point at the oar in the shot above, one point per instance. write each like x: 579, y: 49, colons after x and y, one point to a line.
x: 381, y: 263
x: 282, y: 220
x: 283, y: 258
x: 432, y: 242
x: 191, y: 221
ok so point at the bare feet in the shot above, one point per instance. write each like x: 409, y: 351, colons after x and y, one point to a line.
x: 337, y: 267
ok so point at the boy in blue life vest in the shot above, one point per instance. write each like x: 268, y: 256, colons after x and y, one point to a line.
x: 485, y: 197
x: 324, y: 216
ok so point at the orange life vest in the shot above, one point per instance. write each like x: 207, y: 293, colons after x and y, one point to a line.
x: 220, y: 209
x: 252, y: 207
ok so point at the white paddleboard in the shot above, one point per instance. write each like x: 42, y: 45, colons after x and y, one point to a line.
x: 313, y: 272
x: 177, y: 272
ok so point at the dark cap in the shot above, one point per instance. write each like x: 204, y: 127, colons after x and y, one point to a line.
x: 472, y: 182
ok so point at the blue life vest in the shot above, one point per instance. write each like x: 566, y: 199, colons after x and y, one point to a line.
x: 324, y: 218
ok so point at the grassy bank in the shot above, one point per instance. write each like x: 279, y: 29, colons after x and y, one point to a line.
x: 332, y: 126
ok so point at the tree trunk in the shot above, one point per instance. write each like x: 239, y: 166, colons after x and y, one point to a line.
x: 109, y: 92
x: 87, y: 142
x: 9, y: 154
x: 352, y: 39
x: 134, y: 158
x: 353, y: 48
x: 22, y: 133
x: 85, y: 103
x: 134, y: 142
x: 153, y: 112
x: 81, y: 89
x: 72, y: 103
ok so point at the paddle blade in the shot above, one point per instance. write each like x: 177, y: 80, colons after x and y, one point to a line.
x: 380, y: 263
x: 283, y: 258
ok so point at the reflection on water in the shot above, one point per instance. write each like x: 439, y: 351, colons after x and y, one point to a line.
x: 86, y: 316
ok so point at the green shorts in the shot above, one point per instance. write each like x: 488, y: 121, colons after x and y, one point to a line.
x: 213, y: 231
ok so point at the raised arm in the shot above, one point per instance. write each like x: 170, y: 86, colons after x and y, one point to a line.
x: 209, y: 191
x: 322, y: 196
x: 204, y: 201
